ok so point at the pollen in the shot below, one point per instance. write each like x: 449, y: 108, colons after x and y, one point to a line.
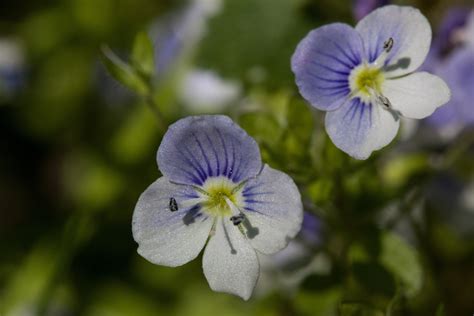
x: 216, y: 192
x: 365, y: 79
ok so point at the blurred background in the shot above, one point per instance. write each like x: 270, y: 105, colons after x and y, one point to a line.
x: 87, y: 89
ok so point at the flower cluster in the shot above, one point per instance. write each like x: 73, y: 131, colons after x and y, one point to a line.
x: 216, y: 194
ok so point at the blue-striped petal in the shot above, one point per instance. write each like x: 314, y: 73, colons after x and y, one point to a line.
x: 358, y: 128
x: 272, y: 205
x: 411, y: 34
x: 198, y: 147
x: 322, y: 63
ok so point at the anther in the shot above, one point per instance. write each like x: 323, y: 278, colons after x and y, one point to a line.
x: 173, y: 205
x: 237, y: 219
x: 388, y: 45
x: 384, y: 101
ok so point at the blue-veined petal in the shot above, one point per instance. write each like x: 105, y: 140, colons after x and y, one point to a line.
x: 198, y: 147
x: 322, y: 63
x: 230, y: 263
x: 274, y: 210
x: 165, y: 236
x: 411, y: 34
x: 417, y: 95
x: 358, y: 128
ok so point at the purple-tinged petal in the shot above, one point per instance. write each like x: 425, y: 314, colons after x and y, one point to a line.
x: 322, y: 63
x: 230, y: 263
x: 167, y: 236
x: 198, y: 147
x: 458, y: 71
x: 454, y: 19
x: 274, y: 210
x: 411, y: 34
x: 363, y: 7
x: 358, y: 128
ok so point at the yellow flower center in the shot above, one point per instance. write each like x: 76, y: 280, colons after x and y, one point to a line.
x: 217, y: 192
x: 365, y: 80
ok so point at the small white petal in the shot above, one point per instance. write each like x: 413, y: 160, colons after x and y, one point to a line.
x: 230, y: 263
x: 165, y: 237
x: 417, y: 95
x: 358, y: 128
x: 410, y: 31
x: 274, y: 210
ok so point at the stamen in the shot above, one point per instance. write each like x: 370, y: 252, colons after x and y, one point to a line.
x: 379, y: 98
x: 387, y: 47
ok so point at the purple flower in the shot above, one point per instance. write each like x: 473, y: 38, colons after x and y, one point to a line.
x: 364, y: 77
x: 452, y: 58
x: 363, y: 7
x: 215, y: 189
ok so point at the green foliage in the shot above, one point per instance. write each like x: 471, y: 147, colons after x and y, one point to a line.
x: 234, y: 47
x: 78, y: 150
x: 403, y: 261
x: 124, y: 73
x: 142, y: 58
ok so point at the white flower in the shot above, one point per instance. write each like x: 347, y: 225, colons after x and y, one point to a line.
x: 364, y: 77
x: 204, y: 90
x: 215, y: 190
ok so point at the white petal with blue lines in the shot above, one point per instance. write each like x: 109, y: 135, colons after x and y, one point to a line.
x: 273, y: 209
x: 198, y: 147
x: 359, y: 128
x: 166, y: 236
x: 230, y: 263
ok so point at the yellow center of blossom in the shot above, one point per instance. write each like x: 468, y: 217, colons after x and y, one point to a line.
x: 217, y: 193
x: 365, y: 80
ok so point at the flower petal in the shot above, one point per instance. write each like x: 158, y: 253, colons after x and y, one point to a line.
x: 198, y: 147
x: 417, y: 95
x: 458, y: 71
x: 411, y: 34
x: 273, y: 209
x: 166, y: 237
x: 322, y: 63
x: 230, y: 263
x: 358, y: 128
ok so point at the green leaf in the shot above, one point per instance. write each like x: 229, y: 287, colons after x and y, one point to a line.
x: 123, y: 73
x: 358, y: 309
x: 142, y: 55
x: 440, y: 310
x: 261, y: 126
x: 403, y: 261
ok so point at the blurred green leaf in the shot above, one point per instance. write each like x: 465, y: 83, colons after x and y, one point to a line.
x: 400, y: 169
x: 123, y: 73
x: 300, y: 121
x: 440, y: 310
x: 403, y: 261
x: 254, y: 36
x: 143, y: 56
x: 319, y: 302
x: 374, y: 278
x: 358, y: 309
x: 262, y: 126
